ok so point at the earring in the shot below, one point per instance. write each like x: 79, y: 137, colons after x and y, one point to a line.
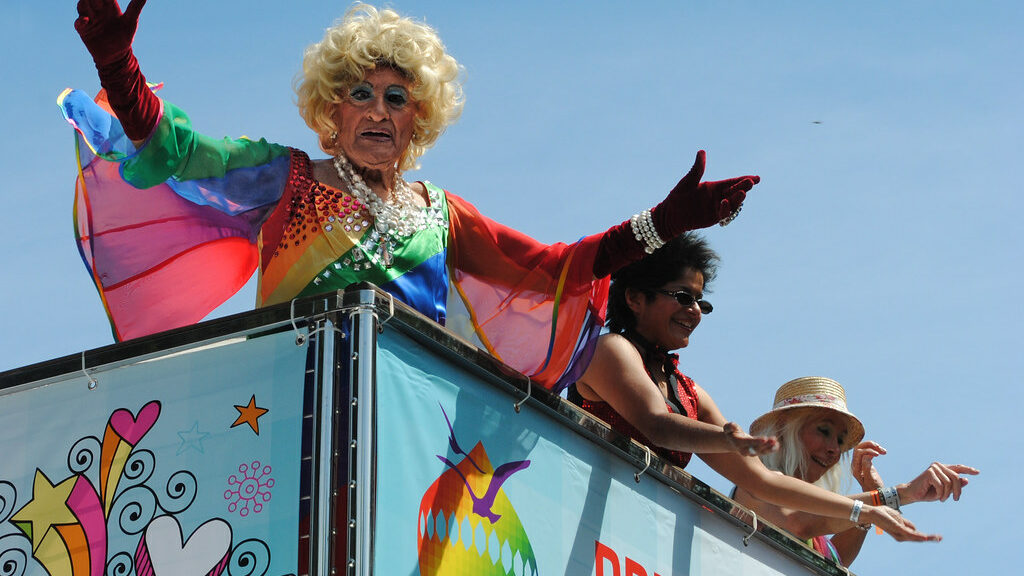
x: 334, y: 136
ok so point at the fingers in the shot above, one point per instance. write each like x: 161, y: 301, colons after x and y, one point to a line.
x: 692, y: 178
x: 870, y: 445
x: 952, y: 480
x: 85, y: 12
x: 735, y: 193
x: 749, y: 445
x: 134, y: 9
x: 903, y: 530
x: 941, y: 482
x: 757, y: 446
x: 99, y: 6
x: 698, y: 164
x: 961, y: 469
x: 96, y: 11
x: 748, y: 182
x: 951, y: 474
x: 863, y: 456
x: 765, y: 444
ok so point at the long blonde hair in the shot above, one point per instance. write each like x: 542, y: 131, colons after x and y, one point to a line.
x: 364, y: 39
x: 791, y: 457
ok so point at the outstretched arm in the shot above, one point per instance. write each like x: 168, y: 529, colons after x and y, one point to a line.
x: 932, y: 484
x: 616, y: 376
x: 783, y: 491
x: 108, y: 33
x: 691, y: 205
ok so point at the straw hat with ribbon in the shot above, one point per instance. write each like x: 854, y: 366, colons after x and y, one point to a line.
x: 806, y: 393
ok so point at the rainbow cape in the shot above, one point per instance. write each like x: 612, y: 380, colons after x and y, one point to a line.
x: 170, y: 230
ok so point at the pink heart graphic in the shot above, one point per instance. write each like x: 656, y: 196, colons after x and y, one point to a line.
x: 161, y: 551
x: 131, y: 428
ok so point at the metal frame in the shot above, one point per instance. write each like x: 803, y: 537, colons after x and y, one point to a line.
x: 362, y: 439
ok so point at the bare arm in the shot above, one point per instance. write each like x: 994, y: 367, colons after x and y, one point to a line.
x: 617, y: 376
x: 749, y: 474
x: 847, y: 542
x: 805, y: 525
x: 801, y: 524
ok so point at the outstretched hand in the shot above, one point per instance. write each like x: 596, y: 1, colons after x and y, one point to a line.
x: 106, y: 31
x: 693, y: 204
x: 901, y: 529
x: 937, y: 482
x: 746, y: 444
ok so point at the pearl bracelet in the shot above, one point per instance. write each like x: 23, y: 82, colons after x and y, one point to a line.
x: 644, y: 231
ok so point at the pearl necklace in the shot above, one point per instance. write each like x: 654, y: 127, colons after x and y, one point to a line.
x: 398, y: 217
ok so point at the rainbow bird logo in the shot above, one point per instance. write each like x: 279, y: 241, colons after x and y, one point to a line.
x: 467, y: 524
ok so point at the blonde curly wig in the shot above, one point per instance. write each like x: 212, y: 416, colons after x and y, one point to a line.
x: 364, y: 39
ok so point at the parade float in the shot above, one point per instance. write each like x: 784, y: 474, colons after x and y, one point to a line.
x: 345, y: 434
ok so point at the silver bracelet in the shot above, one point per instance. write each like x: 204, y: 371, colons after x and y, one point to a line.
x: 855, y: 513
x: 732, y: 216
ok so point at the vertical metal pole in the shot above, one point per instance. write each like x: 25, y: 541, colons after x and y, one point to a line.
x: 324, y: 451
x: 362, y: 439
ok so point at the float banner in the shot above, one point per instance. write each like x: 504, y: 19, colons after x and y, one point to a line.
x: 185, y: 465
x: 466, y: 486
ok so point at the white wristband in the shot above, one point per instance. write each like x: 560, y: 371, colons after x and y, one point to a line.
x: 855, y: 513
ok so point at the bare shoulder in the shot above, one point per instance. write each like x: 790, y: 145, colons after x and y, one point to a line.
x: 613, y: 356
x: 615, y: 350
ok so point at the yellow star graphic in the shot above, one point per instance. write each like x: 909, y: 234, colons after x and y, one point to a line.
x: 250, y: 415
x: 48, y: 507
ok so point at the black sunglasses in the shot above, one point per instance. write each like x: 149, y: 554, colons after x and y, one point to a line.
x: 686, y: 300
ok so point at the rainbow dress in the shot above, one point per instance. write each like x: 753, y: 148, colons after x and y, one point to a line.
x: 171, y: 230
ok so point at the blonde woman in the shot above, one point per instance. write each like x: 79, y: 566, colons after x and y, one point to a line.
x: 378, y: 91
x: 816, y: 432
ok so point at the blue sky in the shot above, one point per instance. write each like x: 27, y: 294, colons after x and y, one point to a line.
x: 882, y: 247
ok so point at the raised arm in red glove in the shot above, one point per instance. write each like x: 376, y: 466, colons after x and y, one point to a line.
x: 107, y: 33
x: 692, y: 204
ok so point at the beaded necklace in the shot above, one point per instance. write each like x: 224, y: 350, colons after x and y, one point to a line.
x: 398, y: 217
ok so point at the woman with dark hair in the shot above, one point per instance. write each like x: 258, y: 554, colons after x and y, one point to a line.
x: 634, y: 383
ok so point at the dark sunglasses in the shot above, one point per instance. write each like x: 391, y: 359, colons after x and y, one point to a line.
x: 686, y: 300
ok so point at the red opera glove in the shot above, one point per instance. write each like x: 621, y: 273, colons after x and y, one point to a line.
x: 108, y: 33
x: 691, y: 205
